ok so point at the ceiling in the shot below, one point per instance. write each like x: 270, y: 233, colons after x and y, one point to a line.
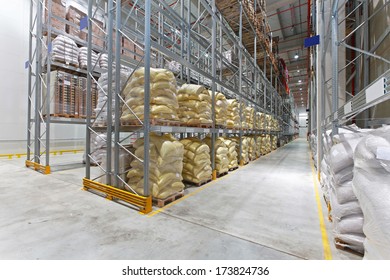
x: 289, y: 21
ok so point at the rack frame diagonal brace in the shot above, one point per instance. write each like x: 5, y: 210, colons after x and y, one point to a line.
x: 112, y: 193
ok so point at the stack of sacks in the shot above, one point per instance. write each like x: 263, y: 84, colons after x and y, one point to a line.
x: 65, y: 50
x: 165, y: 167
x: 274, y: 142
x: 262, y: 121
x: 251, y: 147
x: 371, y: 185
x: 313, y: 145
x: 221, y: 154
x: 346, y: 212
x: 233, y: 120
x: 221, y: 108
x: 267, y: 122
x: 197, y: 164
x: 258, y: 146
x: 101, y: 107
x: 244, y: 123
x: 325, y: 178
x: 125, y: 159
x: 103, y: 63
x: 232, y: 153
x: 257, y: 121
x: 98, y: 148
x: 249, y: 116
x: 245, y: 148
x: 194, y: 105
x: 83, y: 58
x: 266, y: 144
x: 163, y: 99
x: 274, y: 124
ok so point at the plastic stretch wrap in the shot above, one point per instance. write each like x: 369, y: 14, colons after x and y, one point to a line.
x: 165, y: 166
x: 163, y: 98
x: 371, y: 185
x: 195, y: 105
x: 196, y: 161
x: 221, y: 154
x: 232, y: 153
x: 65, y: 50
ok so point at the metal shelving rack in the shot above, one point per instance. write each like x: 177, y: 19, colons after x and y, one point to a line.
x: 176, y: 31
x: 357, y: 69
x: 40, y: 64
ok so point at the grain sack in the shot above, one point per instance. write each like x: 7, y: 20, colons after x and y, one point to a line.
x: 245, y: 148
x: 233, y: 118
x: 221, y: 108
x: 165, y: 166
x: 267, y: 122
x: 345, y: 209
x: 232, y: 153
x: 163, y: 99
x: 101, y: 110
x: 371, y: 185
x: 221, y: 154
x: 83, y: 58
x: 98, y: 148
x: 196, y: 161
x: 258, y: 146
x: 257, y: 121
x: 65, y: 50
x: 274, y: 142
x: 249, y: 114
x: 194, y: 105
x: 251, y: 147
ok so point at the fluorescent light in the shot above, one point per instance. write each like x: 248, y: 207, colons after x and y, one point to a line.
x: 299, y: 70
x: 296, y: 56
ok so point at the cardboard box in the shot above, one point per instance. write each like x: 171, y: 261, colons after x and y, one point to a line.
x: 58, y: 9
x: 74, y: 16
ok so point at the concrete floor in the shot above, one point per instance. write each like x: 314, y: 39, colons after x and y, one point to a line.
x: 265, y: 210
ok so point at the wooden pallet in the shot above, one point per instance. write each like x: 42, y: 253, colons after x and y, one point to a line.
x: 233, y: 168
x: 163, y: 202
x: 221, y: 174
x: 341, y: 245
x: 63, y: 116
x: 196, y: 184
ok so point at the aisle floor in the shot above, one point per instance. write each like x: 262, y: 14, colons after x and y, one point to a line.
x: 264, y: 210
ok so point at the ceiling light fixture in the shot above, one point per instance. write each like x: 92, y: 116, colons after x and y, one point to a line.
x: 299, y: 70
x: 299, y: 81
x: 300, y: 88
x: 296, y: 56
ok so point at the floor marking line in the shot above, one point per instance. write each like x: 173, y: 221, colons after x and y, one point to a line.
x: 324, y: 235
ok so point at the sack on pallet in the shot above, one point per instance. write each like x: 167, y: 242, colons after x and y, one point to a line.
x: 232, y: 153
x: 163, y: 99
x: 233, y: 111
x: 221, y: 108
x: 249, y: 116
x: 83, y: 58
x: 197, y: 164
x: 65, y: 50
x: 372, y: 188
x: 244, y: 147
x: 251, y: 147
x: 195, y: 105
x: 274, y: 142
x: 98, y: 148
x: 102, y: 108
x: 165, y: 167
x: 221, y: 154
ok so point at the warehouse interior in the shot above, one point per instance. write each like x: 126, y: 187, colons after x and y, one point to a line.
x: 239, y: 129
